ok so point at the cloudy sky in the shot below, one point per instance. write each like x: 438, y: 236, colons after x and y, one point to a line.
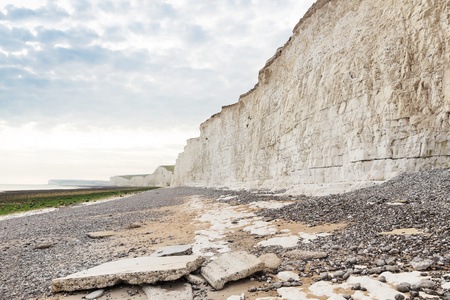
x: 95, y: 88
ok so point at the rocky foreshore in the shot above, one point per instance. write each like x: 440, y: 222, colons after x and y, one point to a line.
x: 391, y: 235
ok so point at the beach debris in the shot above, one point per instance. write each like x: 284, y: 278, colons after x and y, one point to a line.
x: 140, y: 270
x: 230, y: 267
x: 172, y: 290
x: 420, y: 264
x: 100, y: 234
x: 95, y: 294
x: 173, y: 250
x: 195, y: 279
x: 271, y: 261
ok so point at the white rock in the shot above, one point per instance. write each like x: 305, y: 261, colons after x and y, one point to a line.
x: 287, y: 275
x: 421, y: 264
x: 95, y: 294
x: 195, y: 279
x: 271, y: 261
x: 139, y: 270
x: 230, y: 267
x: 173, y: 250
x: 172, y: 291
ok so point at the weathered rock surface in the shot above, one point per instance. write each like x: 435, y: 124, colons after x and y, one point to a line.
x: 230, y: 267
x: 362, y: 99
x: 100, y: 234
x: 271, y: 261
x: 173, y: 251
x: 139, y: 270
x: 162, y: 176
x: 175, y: 291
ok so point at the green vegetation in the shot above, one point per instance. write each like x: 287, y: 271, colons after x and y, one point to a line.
x: 20, y: 201
x: 169, y: 168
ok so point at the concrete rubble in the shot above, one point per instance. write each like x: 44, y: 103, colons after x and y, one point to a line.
x: 141, y: 270
x: 173, y: 291
x: 173, y: 251
x: 230, y: 267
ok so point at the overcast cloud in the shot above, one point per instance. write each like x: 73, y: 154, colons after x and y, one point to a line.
x: 91, y: 89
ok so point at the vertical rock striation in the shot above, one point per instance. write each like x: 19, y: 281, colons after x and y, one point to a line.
x: 359, y: 93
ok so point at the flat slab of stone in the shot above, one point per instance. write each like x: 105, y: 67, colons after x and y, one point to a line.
x: 305, y: 255
x: 175, y: 291
x: 173, y: 250
x: 230, y: 267
x: 271, y: 261
x: 141, y: 270
x: 100, y: 234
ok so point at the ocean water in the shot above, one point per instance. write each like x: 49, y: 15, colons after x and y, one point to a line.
x: 25, y: 187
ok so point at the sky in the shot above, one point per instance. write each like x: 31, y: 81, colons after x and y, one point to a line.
x: 90, y: 89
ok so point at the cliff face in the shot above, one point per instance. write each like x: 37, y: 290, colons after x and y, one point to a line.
x: 360, y: 93
x: 162, y: 176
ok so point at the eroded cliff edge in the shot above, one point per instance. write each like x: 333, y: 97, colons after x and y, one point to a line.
x: 360, y: 93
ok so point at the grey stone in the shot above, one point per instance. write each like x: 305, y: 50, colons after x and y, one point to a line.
x: 380, y: 262
x: 375, y: 271
x: 271, y: 261
x: 421, y: 264
x: 352, y: 260
x: 347, y: 274
x: 100, y: 234
x: 195, y: 279
x: 175, y: 291
x: 382, y: 279
x: 403, y: 287
x: 305, y: 255
x: 139, y: 270
x: 399, y: 297
x: 338, y: 274
x: 230, y: 267
x: 95, y: 294
x: 324, y: 276
x: 427, y: 284
x: 173, y: 250
x: 392, y: 269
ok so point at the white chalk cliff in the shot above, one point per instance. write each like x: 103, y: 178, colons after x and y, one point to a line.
x: 360, y: 93
x: 162, y: 176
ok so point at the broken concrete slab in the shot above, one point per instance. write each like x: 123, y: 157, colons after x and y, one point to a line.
x: 100, y: 234
x: 305, y: 255
x: 173, y: 250
x: 230, y: 267
x: 195, y: 279
x: 139, y: 270
x: 173, y: 290
x: 271, y: 261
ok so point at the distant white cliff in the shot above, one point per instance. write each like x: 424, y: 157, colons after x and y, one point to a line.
x: 162, y: 176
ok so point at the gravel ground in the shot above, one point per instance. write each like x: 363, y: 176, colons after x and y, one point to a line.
x: 27, y: 272
x: 420, y: 200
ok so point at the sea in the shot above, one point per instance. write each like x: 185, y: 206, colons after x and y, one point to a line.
x: 28, y: 187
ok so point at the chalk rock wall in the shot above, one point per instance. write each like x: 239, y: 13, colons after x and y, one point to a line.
x: 360, y: 93
x: 162, y: 176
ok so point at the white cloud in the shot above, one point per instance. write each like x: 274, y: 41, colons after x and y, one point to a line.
x: 123, y: 68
